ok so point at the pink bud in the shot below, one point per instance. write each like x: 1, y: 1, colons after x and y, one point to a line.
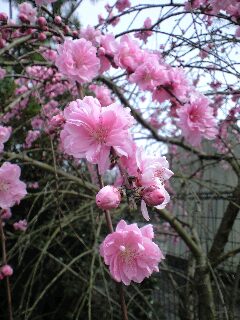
x: 42, y: 21
x: 42, y: 36
x: 23, y: 17
x: 6, y: 214
x: 6, y: 270
x: 3, y: 17
x: 75, y: 34
x: 108, y: 197
x: 153, y: 196
x: 21, y: 225
x: 58, y: 20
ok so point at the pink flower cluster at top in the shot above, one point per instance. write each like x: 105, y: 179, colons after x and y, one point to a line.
x: 131, y: 253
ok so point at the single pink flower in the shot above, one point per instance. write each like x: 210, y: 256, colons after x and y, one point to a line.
x: 149, y: 74
x: 5, y: 133
x: 145, y: 34
x: 130, y: 253
x: 91, y: 34
x: 108, y: 198
x: 77, y: 60
x: 91, y: 131
x: 27, y: 10
x: 21, y: 225
x: 197, y: 121
x: 129, y: 55
x: 122, y: 5
x: 103, y: 94
x: 12, y: 190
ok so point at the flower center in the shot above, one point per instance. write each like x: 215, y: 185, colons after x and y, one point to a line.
x: 159, y: 174
x: 127, y: 254
x: 100, y: 134
x: 4, y: 186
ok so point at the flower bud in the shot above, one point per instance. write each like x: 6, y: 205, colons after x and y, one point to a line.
x: 6, y: 270
x: 6, y: 214
x: 108, y: 197
x: 42, y: 36
x: 58, y: 20
x: 23, y: 17
x: 153, y: 196
x: 2, y: 43
x: 3, y: 17
x: 42, y: 21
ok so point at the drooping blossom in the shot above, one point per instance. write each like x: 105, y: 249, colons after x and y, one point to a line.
x: 106, y: 52
x: 27, y: 12
x: 197, y: 121
x: 5, y: 133
x: 123, y: 4
x: 21, y: 225
x: 12, y: 190
x: 2, y: 73
x: 108, y: 198
x: 129, y: 55
x: 91, y: 131
x: 77, y: 60
x: 131, y: 253
x: 103, y: 94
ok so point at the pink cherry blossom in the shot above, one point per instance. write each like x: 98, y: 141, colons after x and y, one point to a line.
x: 91, y: 131
x: 5, y: 133
x: 12, y: 190
x: 197, y: 121
x: 131, y: 253
x: 129, y: 55
x: 103, y: 94
x: 149, y: 74
x: 122, y: 5
x: 2, y: 73
x: 91, y: 34
x: 27, y: 10
x: 77, y: 60
x: 21, y: 225
x: 108, y: 198
x: 144, y: 35
x: 175, y: 87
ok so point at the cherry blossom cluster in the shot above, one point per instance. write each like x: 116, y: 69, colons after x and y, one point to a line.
x: 214, y: 7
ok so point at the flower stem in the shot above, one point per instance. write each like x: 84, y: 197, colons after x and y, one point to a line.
x: 4, y: 259
x: 120, y: 288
